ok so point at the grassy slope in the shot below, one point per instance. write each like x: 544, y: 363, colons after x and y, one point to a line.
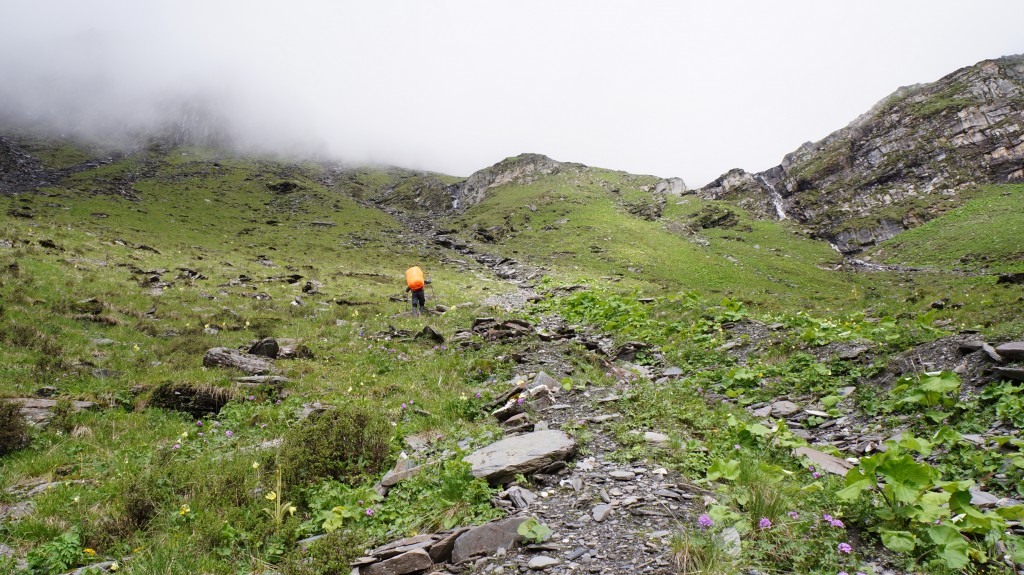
x: 207, y: 212
x: 602, y: 239
x: 982, y: 235
x: 211, y: 219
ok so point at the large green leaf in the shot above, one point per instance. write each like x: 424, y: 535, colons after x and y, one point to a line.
x: 856, y: 482
x: 1012, y: 513
x: 933, y: 505
x: 724, y: 469
x: 951, y: 546
x: 941, y: 383
x: 907, y: 478
x: 898, y: 541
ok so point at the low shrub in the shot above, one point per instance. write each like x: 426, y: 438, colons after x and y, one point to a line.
x: 13, y: 428
x: 342, y: 443
x: 331, y: 553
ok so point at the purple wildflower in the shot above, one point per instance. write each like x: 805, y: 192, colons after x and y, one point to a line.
x: 520, y: 400
x: 216, y: 424
x: 176, y: 446
x: 478, y: 395
x: 200, y: 433
x: 794, y: 515
x: 705, y: 521
x: 736, y: 447
x: 404, y: 406
x: 199, y: 423
x: 228, y: 433
x: 842, y: 573
x: 765, y: 523
x: 826, y: 517
x: 262, y: 425
x: 252, y: 398
x: 845, y: 548
x: 816, y: 475
x: 278, y: 402
x: 837, y: 523
x: 810, y: 468
x: 369, y: 511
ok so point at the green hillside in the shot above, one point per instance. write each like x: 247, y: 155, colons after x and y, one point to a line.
x: 117, y: 278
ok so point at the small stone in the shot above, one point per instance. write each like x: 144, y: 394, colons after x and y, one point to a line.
x: 656, y: 439
x: 784, y: 408
x: 853, y: 353
x: 971, y: 346
x: 765, y: 411
x: 731, y: 541
x: 619, y: 475
x: 601, y: 512
x: 541, y: 562
x: 577, y: 553
x: 992, y: 353
x: 672, y: 372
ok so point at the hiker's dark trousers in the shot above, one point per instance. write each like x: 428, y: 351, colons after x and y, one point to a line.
x: 419, y: 301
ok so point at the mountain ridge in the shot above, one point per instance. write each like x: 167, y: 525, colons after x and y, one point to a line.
x: 917, y: 146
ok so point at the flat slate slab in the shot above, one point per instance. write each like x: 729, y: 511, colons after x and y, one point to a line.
x: 502, y: 460
x: 40, y: 411
x: 1013, y: 350
x: 824, y: 461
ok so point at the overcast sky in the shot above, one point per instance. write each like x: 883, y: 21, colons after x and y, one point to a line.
x: 671, y: 88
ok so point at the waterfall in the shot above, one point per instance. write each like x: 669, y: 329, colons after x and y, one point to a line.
x: 776, y: 198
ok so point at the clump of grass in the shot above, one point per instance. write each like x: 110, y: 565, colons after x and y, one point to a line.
x: 700, y: 553
x: 342, y: 443
x: 13, y: 428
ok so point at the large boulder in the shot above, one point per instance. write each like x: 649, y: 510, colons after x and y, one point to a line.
x: 502, y: 460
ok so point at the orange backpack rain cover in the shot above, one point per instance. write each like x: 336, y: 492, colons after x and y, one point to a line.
x: 414, y: 277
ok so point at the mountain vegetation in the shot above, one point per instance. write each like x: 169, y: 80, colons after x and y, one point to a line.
x: 208, y: 364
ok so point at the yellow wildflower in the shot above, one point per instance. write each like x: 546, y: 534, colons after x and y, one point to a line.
x: 185, y: 510
x: 271, y: 496
x: 89, y: 551
x: 255, y: 465
x: 292, y: 509
x: 114, y: 566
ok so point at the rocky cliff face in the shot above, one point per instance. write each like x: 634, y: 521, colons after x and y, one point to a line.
x: 522, y: 169
x: 902, y: 163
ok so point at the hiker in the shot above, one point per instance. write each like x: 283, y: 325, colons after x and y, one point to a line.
x: 414, y: 283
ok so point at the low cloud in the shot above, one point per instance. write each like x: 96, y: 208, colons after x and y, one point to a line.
x: 669, y: 88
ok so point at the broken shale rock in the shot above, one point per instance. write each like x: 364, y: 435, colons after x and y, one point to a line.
x: 486, y: 539
x: 234, y: 359
x: 41, y: 411
x: 502, y: 460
